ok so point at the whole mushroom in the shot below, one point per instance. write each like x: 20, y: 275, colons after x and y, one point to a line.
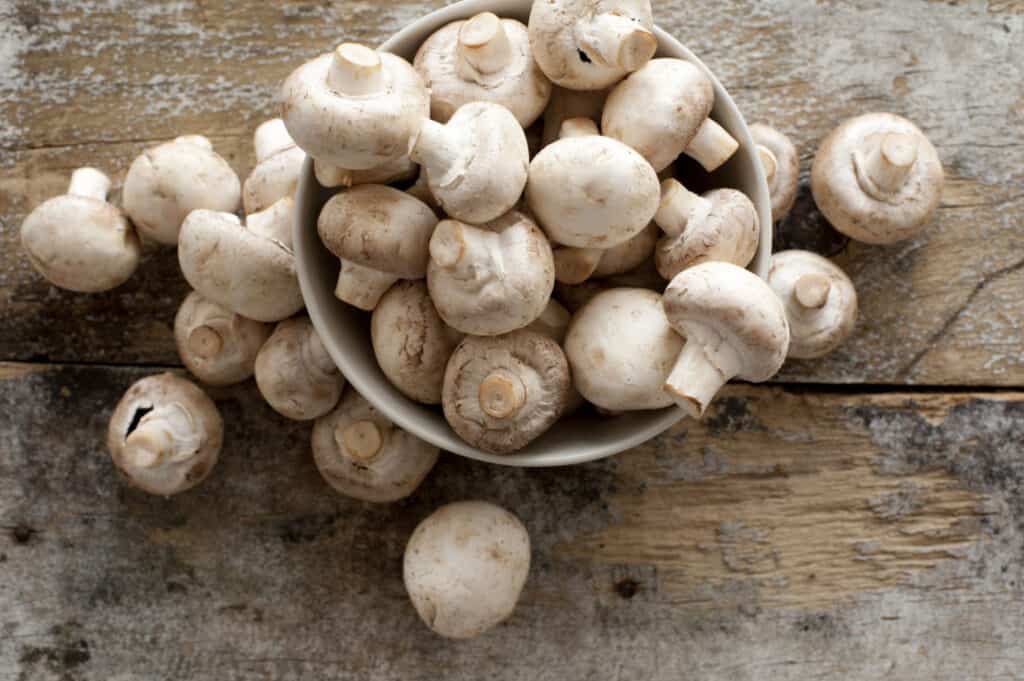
x: 781, y: 164
x: 734, y: 325
x: 165, y: 435
x: 278, y: 166
x: 363, y: 455
x: 78, y: 241
x: 169, y: 181
x: 820, y: 301
x: 217, y: 345
x: 877, y: 179
x: 294, y: 373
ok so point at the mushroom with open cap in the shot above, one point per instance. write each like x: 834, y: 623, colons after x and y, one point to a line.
x: 820, y: 301
x: 248, y: 268
x: 492, y: 279
x: 735, y: 327
x: 591, y: 44
x: 169, y: 181
x: 294, y: 373
x: 465, y: 567
x: 365, y: 456
x: 78, y: 241
x: 781, y: 164
x: 877, y: 179
x: 217, y: 345
x: 476, y: 164
x: 484, y: 59
x: 663, y: 111
x: 381, y: 235
x: 501, y: 393
x: 165, y: 434
x: 278, y: 166
x: 355, y: 108
x: 411, y: 342
x: 722, y: 225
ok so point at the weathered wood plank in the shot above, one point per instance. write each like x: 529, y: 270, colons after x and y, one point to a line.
x: 790, y: 536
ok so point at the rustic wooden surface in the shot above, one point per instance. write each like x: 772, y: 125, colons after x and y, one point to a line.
x: 861, y: 519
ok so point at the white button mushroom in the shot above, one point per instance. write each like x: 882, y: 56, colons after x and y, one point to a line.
x: 591, y: 45
x: 278, y: 166
x: 250, y: 268
x: 662, y: 111
x: 502, y: 393
x: 169, y: 181
x: 491, y: 279
x: 217, y: 345
x: 294, y: 373
x: 735, y: 327
x: 355, y: 108
x: 566, y: 104
x: 411, y: 341
x: 820, y: 300
x: 877, y: 179
x: 363, y: 455
x: 621, y: 349
x: 781, y: 164
x: 484, y: 59
x: 476, y: 164
x: 381, y: 235
x: 165, y: 435
x: 465, y: 567
x: 722, y: 225
x: 393, y: 171
x: 80, y: 242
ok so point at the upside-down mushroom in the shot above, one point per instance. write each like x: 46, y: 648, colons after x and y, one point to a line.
x: 781, y: 164
x: 217, y: 345
x: 278, y: 166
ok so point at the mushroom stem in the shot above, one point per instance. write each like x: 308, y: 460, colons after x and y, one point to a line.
x: 616, y: 41
x: 712, y: 146
x: 811, y: 291
x: 576, y: 265
x: 166, y: 433
x: 697, y: 378
x: 331, y: 176
x: 195, y: 140
x: 459, y: 247
x: 270, y: 138
x: 769, y: 162
x: 578, y: 127
x: 361, y: 286
x: 890, y: 161
x: 483, y: 46
x: 89, y: 183
x: 362, y: 440
x: 356, y: 70
x: 205, y: 341
x: 436, y: 146
x: 679, y: 207
x: 502, y: 394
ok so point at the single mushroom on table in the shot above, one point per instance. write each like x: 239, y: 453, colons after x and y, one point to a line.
x: 217, y: 345
x: 381, y: 235
x: 722, y: 226
x: 465, y: 567
x: 294, y: 373
x: 169, y: 181
x: 877, y: 179
x: 355, y: 108
x: 165, y: 435
x: 566, y: 104
x: 735, y: 327
x: 492, y: 279
x: 484, y: 59
x: 78, y: 241
x: 363, y: 455
x: 820, y: 301
x: 278, y: 166
x: 781, y: 164
x: 248, y: 268
x: 663, y: 111
x: 476, y: 164
x: 503, y: 392
x: 591, y: 44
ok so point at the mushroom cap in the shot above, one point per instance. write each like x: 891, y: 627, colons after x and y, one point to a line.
x: 492, y: 279
x: 245, y: 271
x: 80, y: 244
x: 411, y: 341
x: 365, y: 456
x: 726, y: 308
x: 659, y: 109
x: 273, y: 179
x: 379, y: 227
x: 201, y: 437
x: 557, y: 31
x: 730, y: 233
x: 355, y: 132
x: 592, y: 192
x: 218, y: 346
x: 520, y: 86
x: 621, y: 349
x: 295, y: 374
x: 875, y: 217
x: 169, y: 181
x: 785, y: 181
x: 630, y: 254
x: 817, y: 326
x: 567, y: 104
x: 502, y: 393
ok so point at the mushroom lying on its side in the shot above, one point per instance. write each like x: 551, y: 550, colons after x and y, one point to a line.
x: 217, y: 345
x: 465, y: 567
x: 294, y: 373
x: 165, y: 435
x: 363, y: 455
x: 781, y: 164
x: 278, y: 166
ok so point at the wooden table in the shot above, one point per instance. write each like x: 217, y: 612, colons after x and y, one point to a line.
x: 862, y: 518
